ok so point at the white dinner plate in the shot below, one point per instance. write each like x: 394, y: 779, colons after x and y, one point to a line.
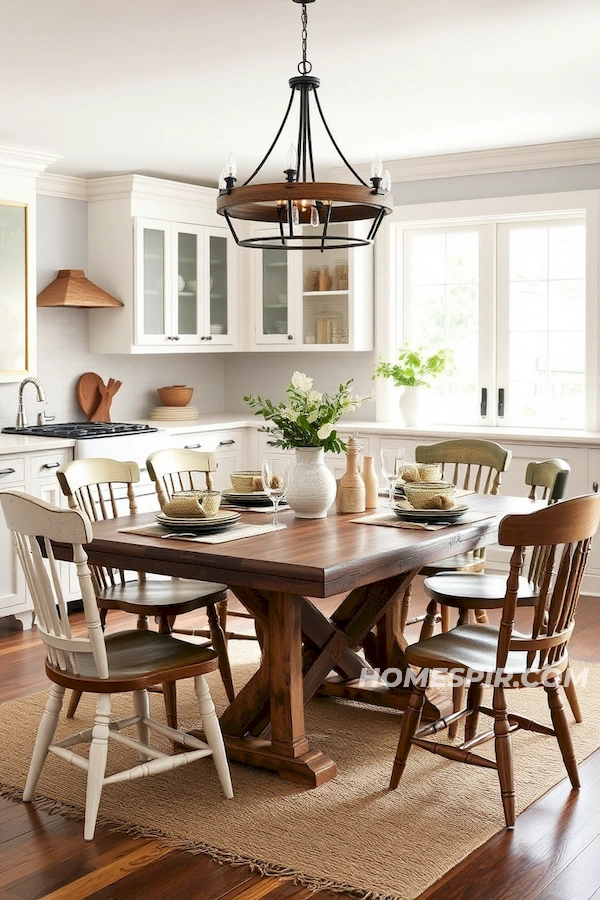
x: 223, y: 519
x: 430, y: 515
x: 256, y: 498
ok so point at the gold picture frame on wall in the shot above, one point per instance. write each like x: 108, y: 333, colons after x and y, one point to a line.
x: 15, y: 311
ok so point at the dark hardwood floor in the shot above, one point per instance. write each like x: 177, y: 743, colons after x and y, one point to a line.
x: 553, y: 854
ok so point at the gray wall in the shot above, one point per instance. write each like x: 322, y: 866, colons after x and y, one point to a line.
x: 220, y: 381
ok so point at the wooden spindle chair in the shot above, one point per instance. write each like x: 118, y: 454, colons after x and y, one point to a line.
x: 180, y: 469
x: 124, y: 662
x: 472, y: 592
x: 103, y: 489
x: 471, y: 465
x: 505, y: 659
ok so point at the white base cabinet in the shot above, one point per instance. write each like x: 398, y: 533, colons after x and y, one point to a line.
x: 228, y: 447
x: 34, y: 473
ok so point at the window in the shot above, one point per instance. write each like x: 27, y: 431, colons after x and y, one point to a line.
x: 513, y: 296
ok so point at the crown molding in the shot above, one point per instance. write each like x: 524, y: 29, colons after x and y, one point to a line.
x: 126, y: 187
x: 68, y: 187
x: 24, y: 162
x: 487, y: 162
x: 144, y: 187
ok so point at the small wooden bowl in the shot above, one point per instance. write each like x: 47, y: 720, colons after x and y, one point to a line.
x: 175, y: 395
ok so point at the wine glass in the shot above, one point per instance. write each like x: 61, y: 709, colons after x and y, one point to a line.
x: 275, y: 478
x: 391, y: 459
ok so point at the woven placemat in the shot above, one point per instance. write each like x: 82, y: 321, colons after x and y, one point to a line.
x: 391, y: 520
x: 234, y: 533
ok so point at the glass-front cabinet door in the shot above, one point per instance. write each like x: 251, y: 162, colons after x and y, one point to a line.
x: 186, y: 321
x: 220, y: 287
x: 275, y: 284
x: 154, y: 263
x: 183, y: 288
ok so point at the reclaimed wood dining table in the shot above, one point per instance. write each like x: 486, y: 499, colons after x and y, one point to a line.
x: 277, y: 576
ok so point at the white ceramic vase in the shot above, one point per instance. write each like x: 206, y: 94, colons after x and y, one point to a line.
x: 312, y: 486
x: 413, y: 405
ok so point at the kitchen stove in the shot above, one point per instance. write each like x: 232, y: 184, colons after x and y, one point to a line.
x: 81, y: 430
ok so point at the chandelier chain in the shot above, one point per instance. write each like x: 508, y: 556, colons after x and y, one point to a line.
x: 304, y: 67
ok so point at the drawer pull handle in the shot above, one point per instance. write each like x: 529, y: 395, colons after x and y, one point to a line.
x: 53, y: 465
x: 7, y: 471
x: 226, y: 443
x: 192, y: 446
x: 271, y: 443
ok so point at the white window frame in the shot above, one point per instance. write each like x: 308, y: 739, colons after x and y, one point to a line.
x: 390, y: 326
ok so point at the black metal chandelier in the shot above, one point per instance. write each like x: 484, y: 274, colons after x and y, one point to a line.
x: 304, y: 210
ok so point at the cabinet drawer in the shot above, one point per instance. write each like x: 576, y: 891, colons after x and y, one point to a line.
x: 12, y: 470
x: 211, y: 441
x: 45, y: 464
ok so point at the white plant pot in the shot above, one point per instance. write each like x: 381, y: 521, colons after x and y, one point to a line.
x: 413, y: 405
x: 312, y: 486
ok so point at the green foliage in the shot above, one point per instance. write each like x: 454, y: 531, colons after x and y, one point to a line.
x: 415, y: 367
x: 308, y: 416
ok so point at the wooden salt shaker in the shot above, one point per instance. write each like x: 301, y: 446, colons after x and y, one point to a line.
x: 351, y: 487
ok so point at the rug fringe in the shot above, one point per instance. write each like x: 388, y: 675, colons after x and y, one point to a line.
x: 223, y: 857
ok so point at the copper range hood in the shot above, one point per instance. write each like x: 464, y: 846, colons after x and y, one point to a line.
x: 71, y: 288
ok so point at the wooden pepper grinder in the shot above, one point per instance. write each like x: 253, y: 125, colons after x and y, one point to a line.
x: 351, y: 487
x: 369, y: 476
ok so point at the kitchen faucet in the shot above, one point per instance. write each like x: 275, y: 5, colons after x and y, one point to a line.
x: 41, y: 396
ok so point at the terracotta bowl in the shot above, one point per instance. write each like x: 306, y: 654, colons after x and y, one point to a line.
x: 175, y: 395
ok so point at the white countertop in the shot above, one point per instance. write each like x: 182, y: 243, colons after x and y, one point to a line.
x: 15, y: 443
x: 27, y: 443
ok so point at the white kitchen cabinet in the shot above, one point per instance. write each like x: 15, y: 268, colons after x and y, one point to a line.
x: 44, y: 484
x: 312, y: 301
x: 160, y: 248
x: 14, y: 599
x: 228, y: 447
x: 34, y: 473
x: 182, y: 282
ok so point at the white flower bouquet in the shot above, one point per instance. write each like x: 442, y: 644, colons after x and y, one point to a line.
x: 308, y: 417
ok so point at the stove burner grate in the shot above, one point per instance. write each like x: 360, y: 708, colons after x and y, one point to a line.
x: 81, y: 430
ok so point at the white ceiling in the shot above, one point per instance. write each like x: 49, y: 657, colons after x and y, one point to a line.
x: 168, y: 87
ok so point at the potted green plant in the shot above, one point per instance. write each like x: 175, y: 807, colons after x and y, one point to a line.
x: 414, y: 371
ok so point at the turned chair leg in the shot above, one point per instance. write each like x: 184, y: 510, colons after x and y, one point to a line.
x: 410, y: 723
x: 73, y: 704
x: 563, y: 732
x: 571, y: 695
x: 405, y: 607
x: 428, y: 626
x: 504, y: 756
x: 474, y: 698
x: 219, y: 642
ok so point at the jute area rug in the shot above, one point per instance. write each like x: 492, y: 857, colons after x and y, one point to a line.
x: 350, y: 835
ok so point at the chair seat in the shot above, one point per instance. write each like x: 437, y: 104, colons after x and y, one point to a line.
x: 137, y: 660
x: 476, y: 590
x: 465, y: 647
x: 167, y: 598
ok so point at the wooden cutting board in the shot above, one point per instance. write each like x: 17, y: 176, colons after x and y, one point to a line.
x: 88, y: 393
